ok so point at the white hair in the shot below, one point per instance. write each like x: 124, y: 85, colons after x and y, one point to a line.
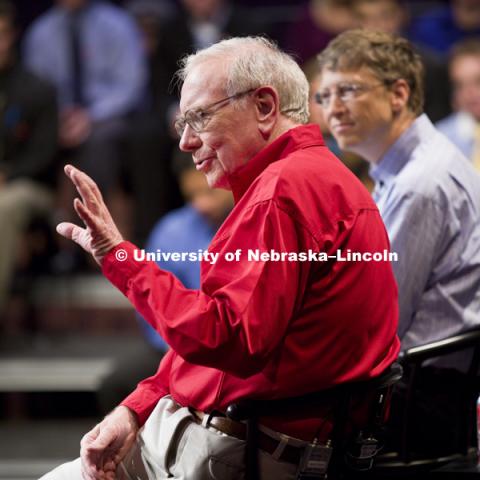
x: 252, y: 62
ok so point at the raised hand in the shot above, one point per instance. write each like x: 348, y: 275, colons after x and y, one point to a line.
x: 104, y: 447
x: 100, y: 234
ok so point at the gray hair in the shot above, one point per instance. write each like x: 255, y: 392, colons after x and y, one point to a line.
x: 253, y: 62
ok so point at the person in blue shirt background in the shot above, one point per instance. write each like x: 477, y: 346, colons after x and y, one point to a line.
x: 92, y: 52
x: 463, y: 126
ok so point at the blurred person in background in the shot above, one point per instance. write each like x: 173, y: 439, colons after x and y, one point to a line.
x: 463, y: 126
x: 392, y: 16
x: 91, y: 51
x: 186, y: 229
x: 428, y: 194
x: 197, y: 24
x: 150, y: 181
x: 28, y: 144
x: 318, y: 22
x: 443, y: 26
x: 169, y: 34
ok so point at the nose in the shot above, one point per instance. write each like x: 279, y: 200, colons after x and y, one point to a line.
x: 189, y: 141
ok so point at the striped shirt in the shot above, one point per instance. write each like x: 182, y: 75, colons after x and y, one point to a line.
x: 429, y: 196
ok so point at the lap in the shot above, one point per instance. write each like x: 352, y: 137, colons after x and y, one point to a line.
x: 173, y: 445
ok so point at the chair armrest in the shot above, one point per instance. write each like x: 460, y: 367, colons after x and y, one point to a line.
x: 441, y: 347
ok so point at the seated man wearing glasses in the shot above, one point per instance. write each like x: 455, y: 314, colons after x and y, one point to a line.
x: 257, y: 327
x: 371, y: 95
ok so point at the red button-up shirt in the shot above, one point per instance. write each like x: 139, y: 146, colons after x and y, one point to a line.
x: 272, y: 329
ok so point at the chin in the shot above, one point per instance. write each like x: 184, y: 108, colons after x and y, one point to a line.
x: 216, y: 181
x: 343, y: 143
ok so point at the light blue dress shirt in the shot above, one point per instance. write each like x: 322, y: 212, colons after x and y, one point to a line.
x: 182, y: 230
x: 114, y: 67
x: 429, y: 197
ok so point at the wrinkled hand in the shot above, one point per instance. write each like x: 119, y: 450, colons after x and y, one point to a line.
x: 104, y: 447
x: 101, y: 234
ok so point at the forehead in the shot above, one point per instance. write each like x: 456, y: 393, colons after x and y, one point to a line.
x: 374, y: 7
x: 464, y: 64
x: 329, y: 78
x: 206, y: 83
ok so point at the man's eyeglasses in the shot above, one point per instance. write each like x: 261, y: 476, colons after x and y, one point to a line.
x: 346, y: 92
x: 198, y: 118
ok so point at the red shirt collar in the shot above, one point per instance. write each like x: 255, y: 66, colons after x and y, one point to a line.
x: 293, y: 139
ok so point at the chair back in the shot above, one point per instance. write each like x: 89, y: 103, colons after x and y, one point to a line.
x: 464, y: 393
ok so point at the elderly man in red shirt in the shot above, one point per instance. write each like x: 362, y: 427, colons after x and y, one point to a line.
x: 260, y: 329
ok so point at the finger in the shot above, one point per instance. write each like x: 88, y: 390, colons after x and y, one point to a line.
x: 88, y: 466
x: 89, y: 469
x: 96, y: 454
x: 90, y: 436
x: 109, y: 465
x: 70, y: 231
x: 83, y: 183
x: 106, y: 437
x: 78, y: 179
x: 86, y: 192
x: 89, y: 218
x: 92, y: 462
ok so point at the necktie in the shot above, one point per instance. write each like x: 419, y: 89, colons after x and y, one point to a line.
x: 476, y: 147
x: 76, y: 61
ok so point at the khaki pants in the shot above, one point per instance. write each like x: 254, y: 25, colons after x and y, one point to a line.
x: 20, y: 200
x: 172, y: 445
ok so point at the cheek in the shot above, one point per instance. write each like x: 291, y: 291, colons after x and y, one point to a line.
x: 212, y: 141
x: 377, y: 115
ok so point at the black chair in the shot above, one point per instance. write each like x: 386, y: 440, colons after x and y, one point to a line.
x: 462, y: 457
x: 351, y: 450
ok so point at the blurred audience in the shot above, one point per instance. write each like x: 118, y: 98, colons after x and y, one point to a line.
x: 169, y: 34
x: 463, y: 126
x: 197, y: 24
x: 440, y: 28
x: 388, y: 16
x: 392, y: 16
x: 186, y: 229
x: 317, y: 24
x: 28, y: 145
x: 91, y: 50
x: 148, y: 145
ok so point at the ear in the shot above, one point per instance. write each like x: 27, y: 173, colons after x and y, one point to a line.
x: 267, y: 109
x: 400, y: 93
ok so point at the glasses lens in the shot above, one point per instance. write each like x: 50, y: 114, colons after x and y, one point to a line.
x: 180, y: 126
x: 322, y: 98
x: 196, y: 119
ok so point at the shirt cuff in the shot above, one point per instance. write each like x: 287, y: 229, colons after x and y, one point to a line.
x: 143, y: 402
x: 119, y: 265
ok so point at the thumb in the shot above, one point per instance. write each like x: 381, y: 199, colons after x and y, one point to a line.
x: 66, y: 229
x: 75, y: 233
x: 103, y: 440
